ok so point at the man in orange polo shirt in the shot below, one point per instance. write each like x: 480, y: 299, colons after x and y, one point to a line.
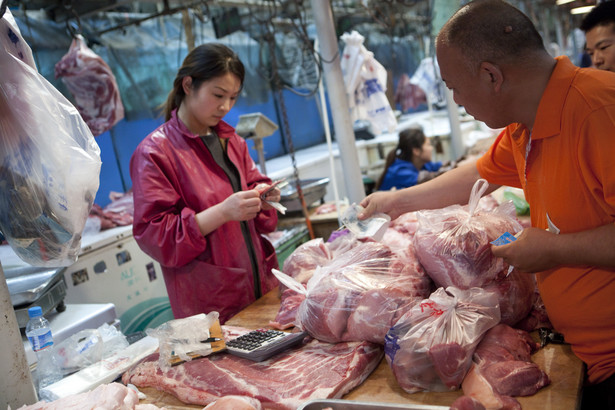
x: 558, y: 145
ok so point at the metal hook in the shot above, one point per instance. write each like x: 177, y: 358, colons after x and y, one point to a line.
x: 74, y: 31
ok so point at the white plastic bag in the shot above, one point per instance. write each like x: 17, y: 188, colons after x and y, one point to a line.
x: 365, y: 80
x: 49, y: 161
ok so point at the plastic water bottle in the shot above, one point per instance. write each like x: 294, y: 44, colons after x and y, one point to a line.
x: 39, y: 334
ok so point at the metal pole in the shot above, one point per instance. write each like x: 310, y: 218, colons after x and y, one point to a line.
x: 16, y: 387
x: 453, y: 115
x: 334, y: 80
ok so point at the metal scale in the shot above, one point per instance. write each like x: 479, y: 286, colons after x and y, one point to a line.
x: 35, y: 286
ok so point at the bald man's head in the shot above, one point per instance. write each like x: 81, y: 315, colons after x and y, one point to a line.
x: 493, y: 31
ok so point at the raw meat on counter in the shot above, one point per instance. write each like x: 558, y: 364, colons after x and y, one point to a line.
x: 431, y: 346
x: 112, y: 396
x: 361, y: 293
x: 503, y: 368
x: 93, y: 86
x: 314, y: 370
x: 453, y: 244
x: 234, y: 403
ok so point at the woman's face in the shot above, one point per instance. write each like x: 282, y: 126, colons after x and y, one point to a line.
x: 426, y: 151
x: 206, y: 106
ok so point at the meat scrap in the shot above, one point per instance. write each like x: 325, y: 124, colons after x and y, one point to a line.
x: 431, y: 346
x: 503, y: 369
x: 112, y: 396
x: 313, y: 370
x: 93, y: 86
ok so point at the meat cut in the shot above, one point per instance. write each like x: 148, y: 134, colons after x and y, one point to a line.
x: 503, y: 369
x: 93, y: 86
x: 313, y: 370
x: 112, y: 396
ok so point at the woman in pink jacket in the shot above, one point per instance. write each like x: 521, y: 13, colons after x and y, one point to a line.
x: 198, y: 210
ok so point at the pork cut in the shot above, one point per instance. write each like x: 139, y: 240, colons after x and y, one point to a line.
x: 503, y: 369
x: 315, y: 370
x: 111, y: 396
x: 93, y: 86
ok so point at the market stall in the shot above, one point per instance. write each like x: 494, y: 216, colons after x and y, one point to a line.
x: 564, y: 369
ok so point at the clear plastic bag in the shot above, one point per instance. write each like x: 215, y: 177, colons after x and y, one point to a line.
x: 49, y: 163
x: 183, y: 338
x: 431, y: 346
x: 358, y: 295
x: 453, y: 243
x: 89, y: 346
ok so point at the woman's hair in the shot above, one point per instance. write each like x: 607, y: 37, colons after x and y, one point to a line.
x: 203, y: 63
x: 409, y: 139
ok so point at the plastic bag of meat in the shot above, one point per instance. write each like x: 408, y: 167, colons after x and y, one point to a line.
x: 49, y: 161
x: 431, y: 346
x: 453, y: 243
x: 93, y: 86
x: 360, y: 294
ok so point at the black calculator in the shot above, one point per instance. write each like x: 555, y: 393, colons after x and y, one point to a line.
x: 259, y: 345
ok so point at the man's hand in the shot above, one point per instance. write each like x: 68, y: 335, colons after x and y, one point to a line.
x: 382, y: 201
x: 531, y: 252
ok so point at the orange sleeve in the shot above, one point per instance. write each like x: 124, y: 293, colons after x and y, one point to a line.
x: 498, y: 164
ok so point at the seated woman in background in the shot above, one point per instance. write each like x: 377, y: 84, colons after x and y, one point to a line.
x: 410, y: 162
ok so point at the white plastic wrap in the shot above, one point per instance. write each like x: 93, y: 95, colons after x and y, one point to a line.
x: 49, y: 161
x: 179, y: 337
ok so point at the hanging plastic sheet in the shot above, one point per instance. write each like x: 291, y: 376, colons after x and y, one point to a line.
x: 49, y: 161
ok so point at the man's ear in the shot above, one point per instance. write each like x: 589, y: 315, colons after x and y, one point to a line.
x: 187, y: 84
x: 493, y: 74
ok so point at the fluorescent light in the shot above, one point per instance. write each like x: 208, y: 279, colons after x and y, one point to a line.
x: 581, y: 10
x: 560, y: 2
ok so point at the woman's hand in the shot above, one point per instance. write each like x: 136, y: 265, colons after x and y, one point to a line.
x: 242, y: 205
x: 271, y: 195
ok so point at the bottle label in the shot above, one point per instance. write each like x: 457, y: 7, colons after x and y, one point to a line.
x: 40, y: 342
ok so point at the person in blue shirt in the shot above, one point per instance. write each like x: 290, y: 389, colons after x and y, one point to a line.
x: 410, y: 162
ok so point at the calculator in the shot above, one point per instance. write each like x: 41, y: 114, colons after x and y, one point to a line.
x: 259, y: 345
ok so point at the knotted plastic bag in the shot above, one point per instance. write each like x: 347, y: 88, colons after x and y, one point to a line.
x: 453, y: 243
x: 49, y: 161
x: 431, y: 346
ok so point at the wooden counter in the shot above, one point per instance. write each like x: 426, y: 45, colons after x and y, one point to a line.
x: 562, y: 366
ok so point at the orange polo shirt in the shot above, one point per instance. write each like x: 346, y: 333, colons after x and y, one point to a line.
x: 568, y: 176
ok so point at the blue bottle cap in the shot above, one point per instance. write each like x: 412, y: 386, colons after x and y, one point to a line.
x: 35, y: 311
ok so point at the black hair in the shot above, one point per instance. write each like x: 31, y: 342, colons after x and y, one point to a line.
x: 409, y: 139
x: 203, y: 63
x: 601, y: 15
